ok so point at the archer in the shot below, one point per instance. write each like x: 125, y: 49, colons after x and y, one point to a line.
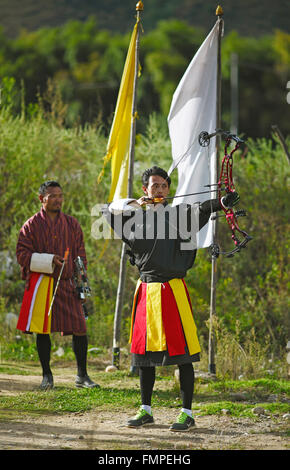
x: 163, y: 330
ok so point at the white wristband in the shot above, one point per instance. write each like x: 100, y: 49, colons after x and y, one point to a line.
x: 122, y: 205
x: 42, y: 263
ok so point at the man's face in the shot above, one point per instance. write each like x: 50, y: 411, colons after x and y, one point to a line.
x: 52, y: 200
x: 157, y: 187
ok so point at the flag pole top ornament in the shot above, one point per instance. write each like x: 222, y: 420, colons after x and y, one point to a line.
x: 139, y: 6
x: 219, y: 11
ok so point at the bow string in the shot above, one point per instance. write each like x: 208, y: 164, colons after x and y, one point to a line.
x: 226, y: 183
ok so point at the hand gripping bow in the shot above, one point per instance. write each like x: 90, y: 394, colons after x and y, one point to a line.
x: 226, y: 182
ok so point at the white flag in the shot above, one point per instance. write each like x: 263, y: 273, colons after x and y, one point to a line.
x: 193, y: 110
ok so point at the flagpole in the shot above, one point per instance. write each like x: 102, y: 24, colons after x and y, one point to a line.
x: 211, y: 350
x: 123, y: 261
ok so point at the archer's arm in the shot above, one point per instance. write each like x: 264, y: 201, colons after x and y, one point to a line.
x: 117, y: 213
x: 206, y: 208
x: 214, y: 205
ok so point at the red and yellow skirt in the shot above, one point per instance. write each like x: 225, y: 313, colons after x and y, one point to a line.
x: 33, y: 316
x: 162, y: 319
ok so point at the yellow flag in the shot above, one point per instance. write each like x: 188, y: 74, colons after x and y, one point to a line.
x: 119, y: 139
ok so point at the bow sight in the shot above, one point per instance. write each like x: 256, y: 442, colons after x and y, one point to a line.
x: 204, y: 137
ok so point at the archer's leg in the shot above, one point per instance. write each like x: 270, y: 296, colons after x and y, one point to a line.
x: 186, y: 377
x: 185, y: 419
x: 147, y: 380
x: 43, y: 345
x: 80, y: 348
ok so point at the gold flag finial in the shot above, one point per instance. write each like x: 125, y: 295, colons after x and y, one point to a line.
x: 219, y: 11
x: 140, y: 6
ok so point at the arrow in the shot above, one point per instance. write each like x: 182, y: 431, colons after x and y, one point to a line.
x: 64, y: 261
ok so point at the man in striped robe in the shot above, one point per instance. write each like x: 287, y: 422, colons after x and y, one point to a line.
x: 162, y: 241
x: 42, y: 242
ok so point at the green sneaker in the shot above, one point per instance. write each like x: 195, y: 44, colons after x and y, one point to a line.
x: 141, y: 418
x: 183, y: 423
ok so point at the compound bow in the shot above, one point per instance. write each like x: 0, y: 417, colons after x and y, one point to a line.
x: 81, y: 283
x: 226, y: 182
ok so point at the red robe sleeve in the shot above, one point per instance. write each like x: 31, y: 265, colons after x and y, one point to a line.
x: 24, y: 249
x: 80, y: 244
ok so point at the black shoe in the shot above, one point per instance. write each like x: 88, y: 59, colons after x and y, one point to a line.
x: 141, y: 418
x: 183, y: 423
x: 85, y: 382
x: 47, y: 382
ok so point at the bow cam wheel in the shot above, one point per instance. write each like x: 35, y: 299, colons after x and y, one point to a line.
x: 203, y: 139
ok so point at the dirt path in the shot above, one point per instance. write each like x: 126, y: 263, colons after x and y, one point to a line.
x: 106, y: 430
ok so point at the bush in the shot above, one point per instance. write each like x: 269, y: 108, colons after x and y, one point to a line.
x: 252, y: 295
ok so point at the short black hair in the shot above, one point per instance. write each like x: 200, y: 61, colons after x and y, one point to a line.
x: 47, y: 184
x: 155, y: 170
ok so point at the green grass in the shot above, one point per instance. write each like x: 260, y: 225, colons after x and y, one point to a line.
x: 242, y: 409
x: 120, y: 391
x: 252, y: 386
x: 17, y: 370
x: 63, y: 400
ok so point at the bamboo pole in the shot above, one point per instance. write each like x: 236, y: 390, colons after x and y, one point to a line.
x: 281, y: 138
x: 123, y: 261
x: 211, y: 349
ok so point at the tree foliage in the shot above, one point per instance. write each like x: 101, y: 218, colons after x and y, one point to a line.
x: 252, y: 287
x: 87, y: 64
x: 58, y: 92
x: 248, y: 17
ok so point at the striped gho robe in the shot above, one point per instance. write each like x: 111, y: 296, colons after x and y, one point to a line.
x: 163, y: 330
x: 40, y: 234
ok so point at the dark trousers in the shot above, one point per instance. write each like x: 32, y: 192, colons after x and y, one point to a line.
x: 80, y: 348
x: 186, y: 378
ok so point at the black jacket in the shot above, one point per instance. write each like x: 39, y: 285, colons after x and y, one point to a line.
x: 162, y: 242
